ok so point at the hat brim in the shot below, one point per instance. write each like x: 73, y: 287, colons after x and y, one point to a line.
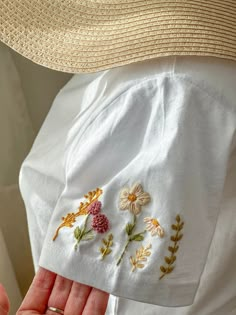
x: 89, y: 36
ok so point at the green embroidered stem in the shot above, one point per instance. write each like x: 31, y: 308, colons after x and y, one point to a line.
x: 137, y: 237
x: 122, y: 255
x: 80, y: 235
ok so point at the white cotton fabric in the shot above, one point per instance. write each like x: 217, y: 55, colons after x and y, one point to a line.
x: 168, y: 124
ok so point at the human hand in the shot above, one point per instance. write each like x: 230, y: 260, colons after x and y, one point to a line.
x: 49, y: 289
x: 4, y: 302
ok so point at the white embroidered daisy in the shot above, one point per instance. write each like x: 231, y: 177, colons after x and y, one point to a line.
x: 133, y: 198
x: 153, y: 226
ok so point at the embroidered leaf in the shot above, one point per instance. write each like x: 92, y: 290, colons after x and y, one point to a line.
x: 176, y: 248
x: 174, y: 227
x: 77, y: 233
x: 140, y: 265
x: 173, y: 258
x: 129, y: 228
x: 104, y: 241
x: 179, y: 237
x: 163, y: 269
x: 173, y: 238
x: 169, y: 269
x: 171, y: 249
x: 87, y: 237
x: 102, y: 249
x: 177, y: 218
x: 108, y: 251
x: 168, y: 260
x: 137, y: 237
x: 140, y: 256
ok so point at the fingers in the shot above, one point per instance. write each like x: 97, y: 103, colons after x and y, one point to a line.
x: 77, y: 299
x: 96, y: 303
x: 36, y: 299
x: 49, y: 289
x: 4, y: 302
x: 60, y: 294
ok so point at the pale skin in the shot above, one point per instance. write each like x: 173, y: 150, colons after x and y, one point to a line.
x: 50, y: 289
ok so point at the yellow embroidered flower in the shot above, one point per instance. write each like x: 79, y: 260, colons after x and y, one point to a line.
x: 153, y: 226
x: 133, y: 198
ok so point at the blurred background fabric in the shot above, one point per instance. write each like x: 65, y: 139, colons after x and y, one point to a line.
x: 26, y: 94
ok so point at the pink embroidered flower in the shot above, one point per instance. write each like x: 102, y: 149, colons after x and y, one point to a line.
x: 100, y: 223
x: 95, y: 207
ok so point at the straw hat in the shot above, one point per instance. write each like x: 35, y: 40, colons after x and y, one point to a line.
x: 94, y: 35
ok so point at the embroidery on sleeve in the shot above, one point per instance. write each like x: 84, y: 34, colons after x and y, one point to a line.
x: 99, y: 224
x: 141, y: 256
x: 70, y: 218
x: 132, y: 199
x: 153, y: 226
x: 177, y: 227
x: 106, y: 250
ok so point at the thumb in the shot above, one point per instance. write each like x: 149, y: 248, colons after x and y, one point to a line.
x: 4, y: 302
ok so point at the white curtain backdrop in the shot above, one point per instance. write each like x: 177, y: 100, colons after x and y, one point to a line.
x: 16, y: 137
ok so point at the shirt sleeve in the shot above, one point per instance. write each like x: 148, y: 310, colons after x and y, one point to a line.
x: 144, y: 175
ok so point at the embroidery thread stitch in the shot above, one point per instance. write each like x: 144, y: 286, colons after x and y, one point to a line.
x: 99, y: 224
x: 173, y: 249
x: 82, y: 210
x: 108, y: 243
x: 82, y: 234
x: 141, y: 256
x: 132, y: 199
x: 154, y: 227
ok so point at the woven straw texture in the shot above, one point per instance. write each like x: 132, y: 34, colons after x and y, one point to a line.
x: 93, y: 35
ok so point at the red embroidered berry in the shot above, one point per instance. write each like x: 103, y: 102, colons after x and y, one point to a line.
x: 100, y: 223
x: 95, y: 207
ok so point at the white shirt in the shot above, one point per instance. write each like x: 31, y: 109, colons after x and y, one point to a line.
x: 158, y: 139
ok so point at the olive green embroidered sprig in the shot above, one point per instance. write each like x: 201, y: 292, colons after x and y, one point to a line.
x: 70, y: 218
x: 136, y: 237
x: 81, y: 234
x: 132, y: 199
x: 106, y: 250
x: 177, y: 227
x: 141, y: 256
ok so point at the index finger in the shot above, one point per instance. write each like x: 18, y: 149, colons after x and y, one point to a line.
x: 36, y: 299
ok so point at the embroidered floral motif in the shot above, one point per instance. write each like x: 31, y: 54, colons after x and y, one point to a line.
x: 177, y: 227
x: 70, y: 218
x: 154, y: 227
x: 108, y: 243
x: 100, y: 224
x: 132, y: 199
x: 95, y: 207
x: 81, y: 234
x: 141, y: 256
